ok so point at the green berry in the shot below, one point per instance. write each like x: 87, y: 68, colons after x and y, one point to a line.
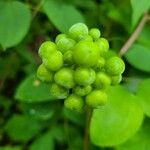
x: 64, y: 77
x: 65, y: 44
x: 58, y: 91
x: 84, y: 76
x: 87, y: 38
x: 60, y: 36
x: 114, y: 66
x: 102, y: 81
x: 103, y: 45
x: 82, y: 90
x: 100, y: 64
x: 85, y: 53
x: 78, y: 30
x: 53, y: 61
x: 116, y: 79
x: 94, y: 33
x: 96, y: 98
x: 43, y: 74
x: 68, y: 57
x: 74, y: 102
x: 46, y: 48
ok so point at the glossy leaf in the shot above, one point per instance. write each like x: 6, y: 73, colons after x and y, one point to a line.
x: 139, y: 57
x: 139, y: 8
x: 32, y: 90
x: 143, y: 92
x: 118, y: 121
x: 62, y: 15
x: 140, y: 141
x: 14, y: 22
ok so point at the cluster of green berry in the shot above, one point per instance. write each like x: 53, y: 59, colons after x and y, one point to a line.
x: 79, y: 67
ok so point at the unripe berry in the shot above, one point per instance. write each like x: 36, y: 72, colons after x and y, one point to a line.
x: 94, y: 33
x: 116, y: 79
x: 96, y: 98
x: 85, y: 53
x: 87, y: 38
x: 84, y: 76
x: 78, y: 30
x: 68, y: 57
x: 60, y: 36
x: 43, y: 74
x: 100, y: 64
x: 82, y: 90
x: 65, y: 44
x: 53, y: 61
x: 64, y: 77
x: 58, y: 91
x: 74, y: 102
x: 46, y: 48
x: 103, y: 45
x: 102, y: 81
x: 114, y: 66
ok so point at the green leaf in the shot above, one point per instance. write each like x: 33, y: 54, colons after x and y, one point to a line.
x: 139, y: 8
x: 32, y: 90
x: 42, y: 111
x: 22, y: 128
x: 140, y: 141
x: 143, y: 92
x: 14, y: 22
x: 45, y: 142
x: 10, y: 148
x: 62, y: 15
x: 118, y: 121
x: 139, y: 57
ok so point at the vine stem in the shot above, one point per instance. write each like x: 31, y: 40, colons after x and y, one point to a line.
x: 135, y: 34
x: 87, y: 126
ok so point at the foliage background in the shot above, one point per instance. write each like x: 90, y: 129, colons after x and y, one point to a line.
x: 29, y: 118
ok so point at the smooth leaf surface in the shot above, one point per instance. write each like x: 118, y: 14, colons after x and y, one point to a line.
x: 44, y: 142
x: 118, y: 121
x: 143, y: 92
x: 15, y: 20
x: 139, y: 7
x: 140, y: 141
x: 139, y: 57
x: 10, y: 148
x: 22, y: 128
x: 32, y: 90
x: 62, y: 15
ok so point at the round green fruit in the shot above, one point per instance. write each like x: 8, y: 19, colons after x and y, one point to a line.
x: 47, y: 48
x: 102, y: 81
x: 87, y: 38
x: 43, y: 74
x: 58, y: 91
x: 65, y: 44
x: 103, y: 45
x: 53, y: 61
x: 82, y: 90
x: 100, y: 64
x: 116, y: 79
x: 60, y: 36
x: 68, y: 57
x: 78, y: 30
x: 96, y: 98
x: 84, y: 76
x: 114, y: 66
x: 64, y: 77
x: 95, y: 33
x: 85, y: 53
x: 74, y: 102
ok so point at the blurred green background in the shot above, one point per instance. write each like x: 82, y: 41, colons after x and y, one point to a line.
x: 30, y: 119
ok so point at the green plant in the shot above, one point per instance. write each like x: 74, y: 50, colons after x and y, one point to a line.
x: 49, y: 103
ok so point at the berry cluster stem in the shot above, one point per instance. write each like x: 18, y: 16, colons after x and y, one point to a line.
x: 87, y: 126
x: 135, y: 34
